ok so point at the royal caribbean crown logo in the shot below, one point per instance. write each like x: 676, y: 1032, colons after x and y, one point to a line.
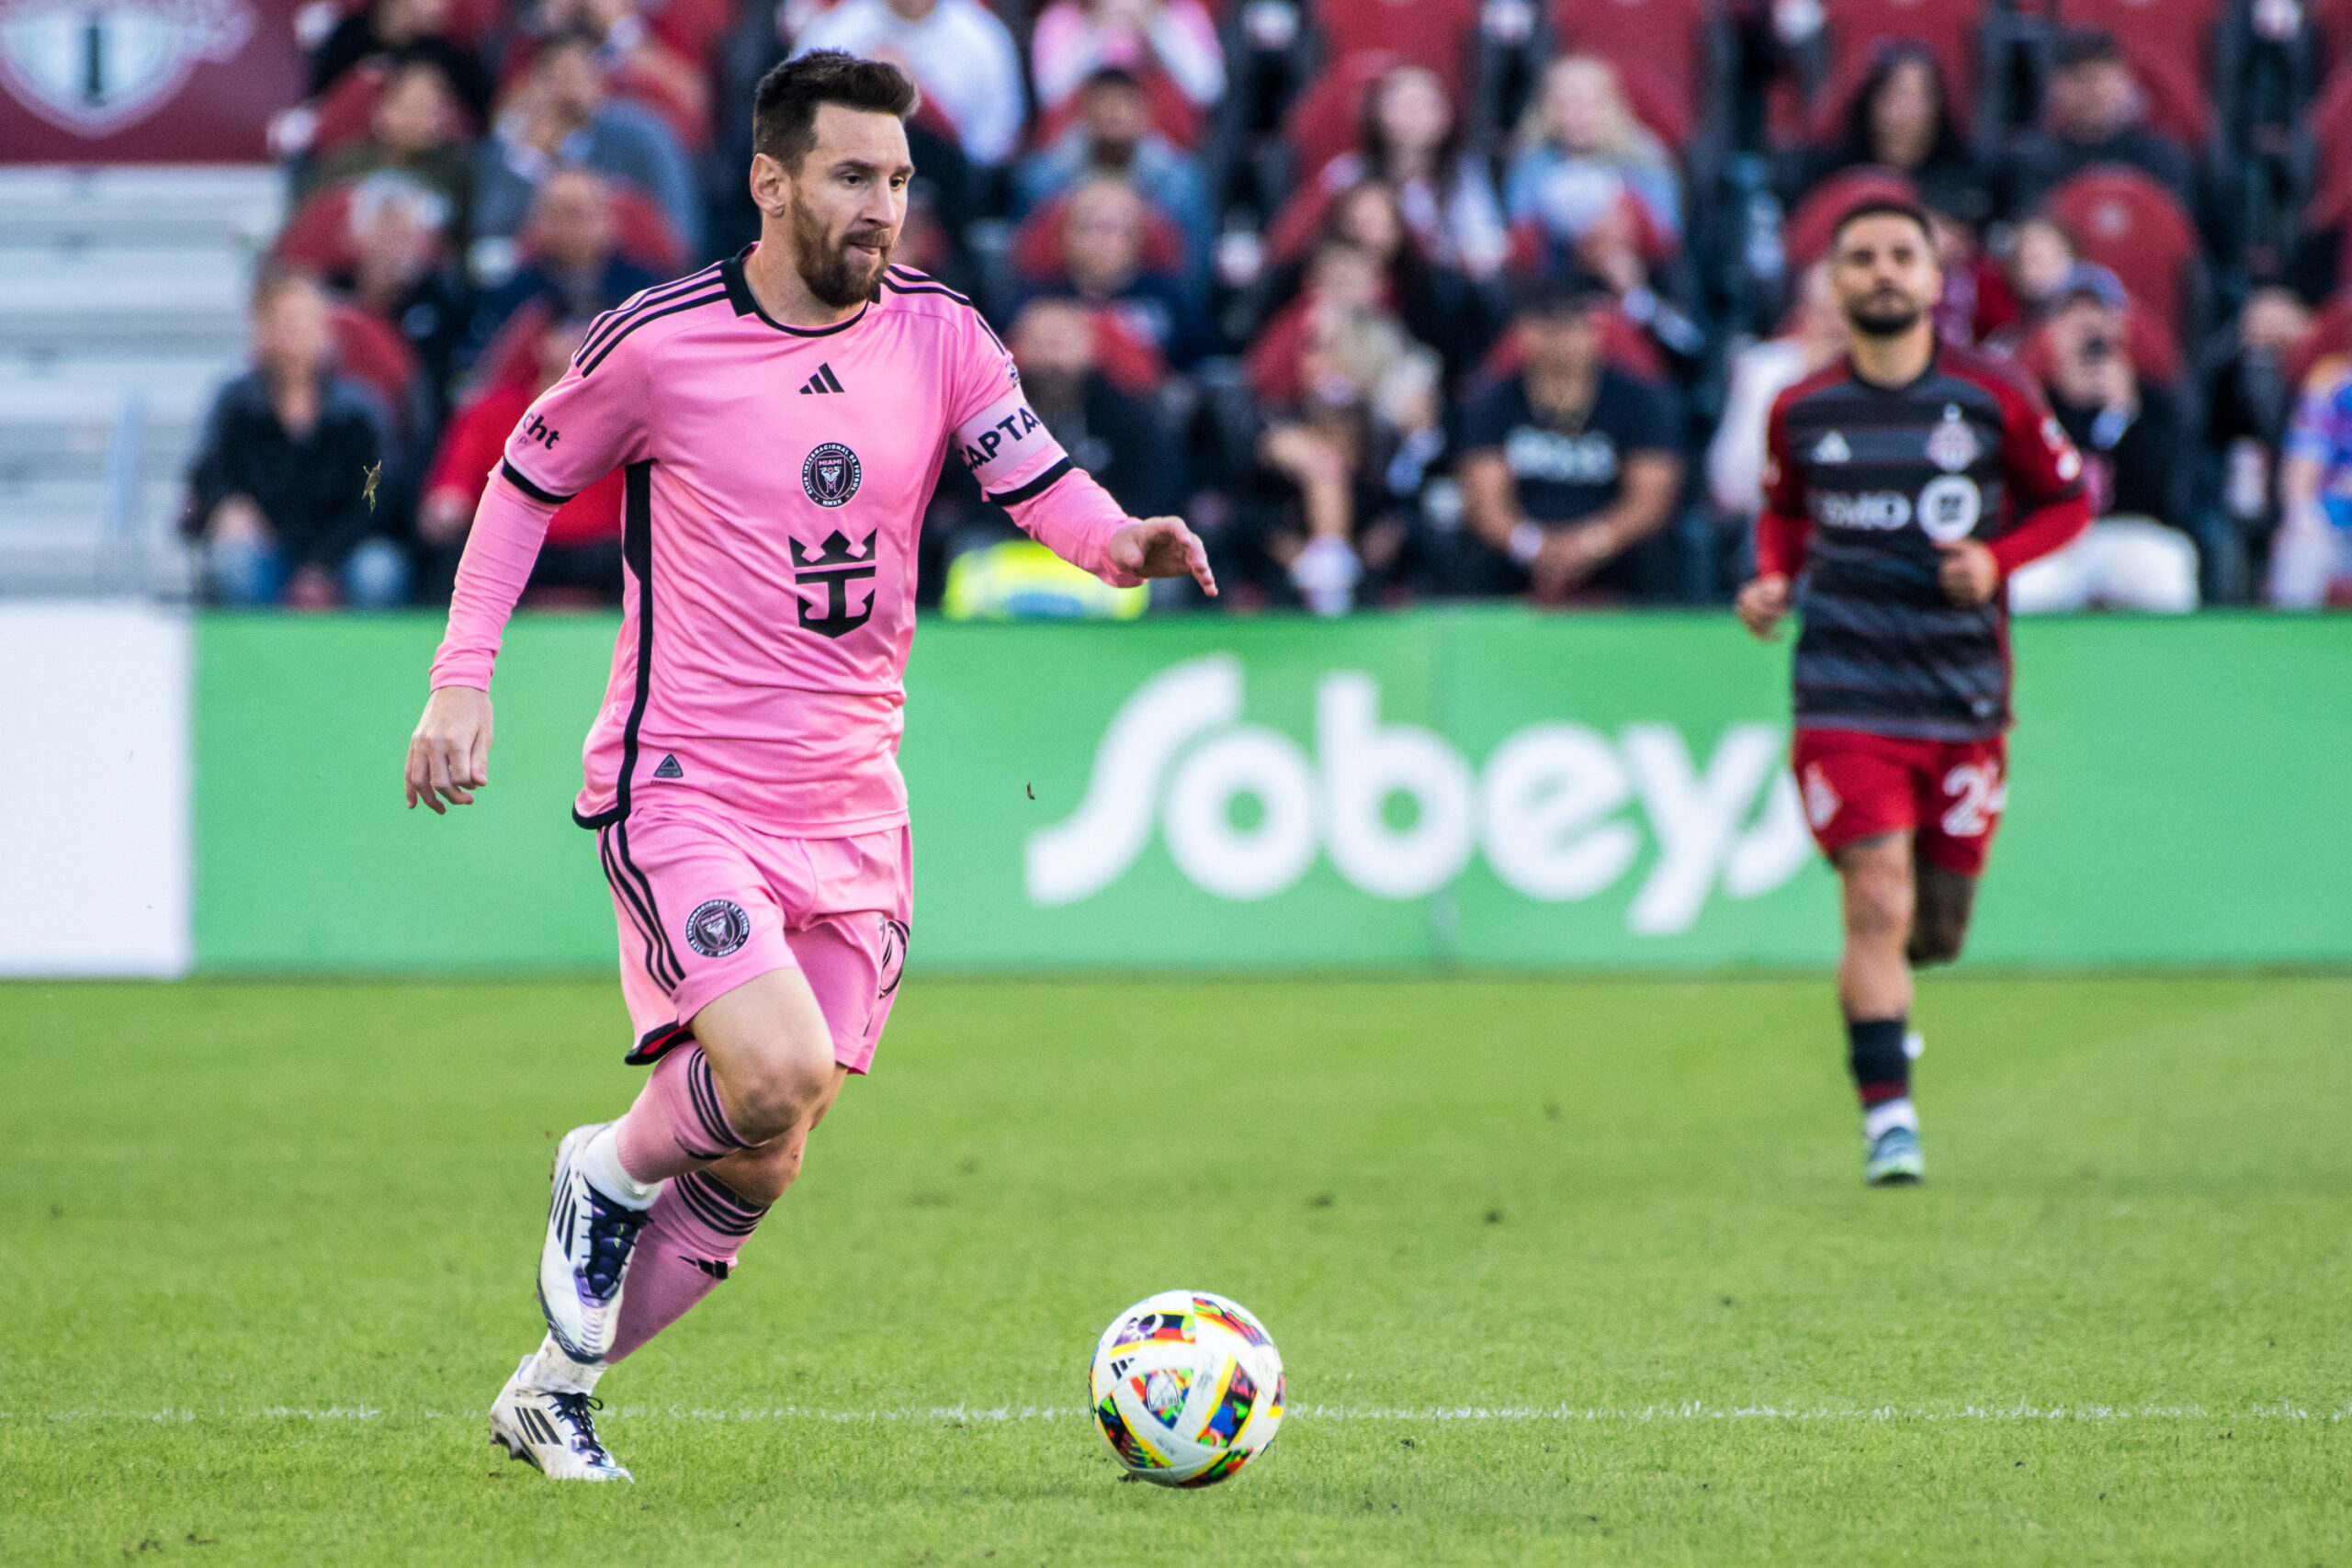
x: 95, y: 67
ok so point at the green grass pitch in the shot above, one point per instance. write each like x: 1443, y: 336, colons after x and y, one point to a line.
x: 1563, y: 1273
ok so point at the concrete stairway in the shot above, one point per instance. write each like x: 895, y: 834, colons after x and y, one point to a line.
x: 122, y: 310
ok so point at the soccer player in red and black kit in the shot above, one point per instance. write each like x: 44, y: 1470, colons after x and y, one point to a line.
x: 1902, y: 485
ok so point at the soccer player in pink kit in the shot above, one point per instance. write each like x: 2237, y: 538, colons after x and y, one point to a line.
x: 780, y: 419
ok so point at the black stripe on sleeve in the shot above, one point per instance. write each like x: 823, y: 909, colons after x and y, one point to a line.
x: 626, y: 313
x: 515, y: 476
x: 588, y: 365
x: 1035, y: 487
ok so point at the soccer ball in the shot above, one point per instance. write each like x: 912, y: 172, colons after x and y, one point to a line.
x: 1187, y: 1388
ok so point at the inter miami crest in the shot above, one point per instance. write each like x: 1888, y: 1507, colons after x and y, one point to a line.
x: 836, y: 564
x: 717, y: 926
x: 830, y: 474
x: 95, y: 67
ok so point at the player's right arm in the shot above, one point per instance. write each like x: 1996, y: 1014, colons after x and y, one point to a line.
x: 575, y: 433
x: 1780, y: 530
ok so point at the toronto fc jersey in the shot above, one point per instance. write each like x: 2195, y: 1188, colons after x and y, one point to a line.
x: 776, y: 479
x: 1874, y: 478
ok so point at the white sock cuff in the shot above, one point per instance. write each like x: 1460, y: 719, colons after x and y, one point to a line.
x: 601, y: 1163
x: 1888, y: 1113
x: 552, y: 1371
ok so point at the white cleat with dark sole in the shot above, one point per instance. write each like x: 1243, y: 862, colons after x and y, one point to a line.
x: 591, y: 1234
x: 554, y: 1432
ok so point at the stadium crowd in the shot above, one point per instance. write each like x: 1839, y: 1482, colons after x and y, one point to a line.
x: 1393, y: 300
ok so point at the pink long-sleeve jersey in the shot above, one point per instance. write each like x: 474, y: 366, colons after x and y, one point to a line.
x: 776, y: 479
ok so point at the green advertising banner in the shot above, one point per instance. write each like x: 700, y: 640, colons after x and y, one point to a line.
x: 1482, y: 787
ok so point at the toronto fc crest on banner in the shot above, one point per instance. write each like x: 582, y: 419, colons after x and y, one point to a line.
x: 95, y: 67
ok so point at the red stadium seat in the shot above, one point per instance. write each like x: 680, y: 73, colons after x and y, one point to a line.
x: 2331, y: 129
x: 2170, y: 43
x: 1435, y: 33
x: 372, y: 353
x: 1805, y: 238
x: 346, y: 110
x: 1658, y: 48
x: 2128, y: 223
x: 1326, y: 118
x: 318, y: 237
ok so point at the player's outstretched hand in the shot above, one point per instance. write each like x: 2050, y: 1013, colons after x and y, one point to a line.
x: 449, y: 757
x: 1969, y: 573
x: 1761, y: 604
x: 1163, y: 546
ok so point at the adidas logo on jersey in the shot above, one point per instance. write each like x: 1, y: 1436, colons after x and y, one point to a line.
x: 668, y: 769
x: 824, y: 380
x: 1832, y: 448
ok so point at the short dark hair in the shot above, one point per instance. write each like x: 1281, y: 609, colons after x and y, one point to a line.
x: 1573, y: 293
x: 1883, y: 206
x: 2084, y: 46
x: 783, y: 107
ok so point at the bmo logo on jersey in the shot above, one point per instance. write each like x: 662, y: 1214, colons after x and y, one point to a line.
x: 1875, y: 509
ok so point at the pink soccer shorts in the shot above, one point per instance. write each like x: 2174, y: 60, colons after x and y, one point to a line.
x: 706, y: 903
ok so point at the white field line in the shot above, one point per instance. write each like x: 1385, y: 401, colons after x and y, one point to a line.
x: 966, y: 1414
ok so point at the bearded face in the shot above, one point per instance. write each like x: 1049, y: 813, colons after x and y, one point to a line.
x: 842, y: 268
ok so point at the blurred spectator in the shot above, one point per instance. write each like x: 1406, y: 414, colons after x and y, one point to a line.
x: 1353, y: 408
x: 1902, y: 119
x: 1112, y: 136
x: 1117, y: 438
x: 2040, y: 257
x: 1617, y: 250
x: 283, y: 488
x: 583, y: 554
x: 1171, y: 38
x: 639, y: 65
x: 1814, y: 335
x: 559, y: 115
x: 2095, y: 111
x: 412, y: 29
x: 957, y: 51
x: 415, y: 129
x: 572, y: 268
x: 1580, y: 146
x: 1411, y: 139
x: 1568, y: 468
x: 2310, y: 559
x: 1437, y: 304
x: 400, y: 273
x: 2136, y: 555
x: 1103, y: 263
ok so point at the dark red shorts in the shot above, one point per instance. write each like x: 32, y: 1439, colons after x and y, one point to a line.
x: 1948, y: 793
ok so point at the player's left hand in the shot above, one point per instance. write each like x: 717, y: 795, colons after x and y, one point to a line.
x: 1969, y: 574
x: 1163, y: 546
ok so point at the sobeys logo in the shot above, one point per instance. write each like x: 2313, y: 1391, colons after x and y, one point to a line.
x: 1548, y: 808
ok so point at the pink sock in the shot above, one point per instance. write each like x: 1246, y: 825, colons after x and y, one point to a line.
x: 695, y: 1228
x: 676, y: 1124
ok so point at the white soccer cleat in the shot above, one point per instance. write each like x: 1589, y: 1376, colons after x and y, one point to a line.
x: 591, y: 1234
x: 556, y: 1431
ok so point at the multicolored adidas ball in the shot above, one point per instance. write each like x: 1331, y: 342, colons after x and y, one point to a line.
x: 1187, y: 1388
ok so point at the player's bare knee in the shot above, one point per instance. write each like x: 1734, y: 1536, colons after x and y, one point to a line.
x: 779, y: 1093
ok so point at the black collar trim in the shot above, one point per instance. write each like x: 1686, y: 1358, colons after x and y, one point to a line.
x: 746, y: 303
